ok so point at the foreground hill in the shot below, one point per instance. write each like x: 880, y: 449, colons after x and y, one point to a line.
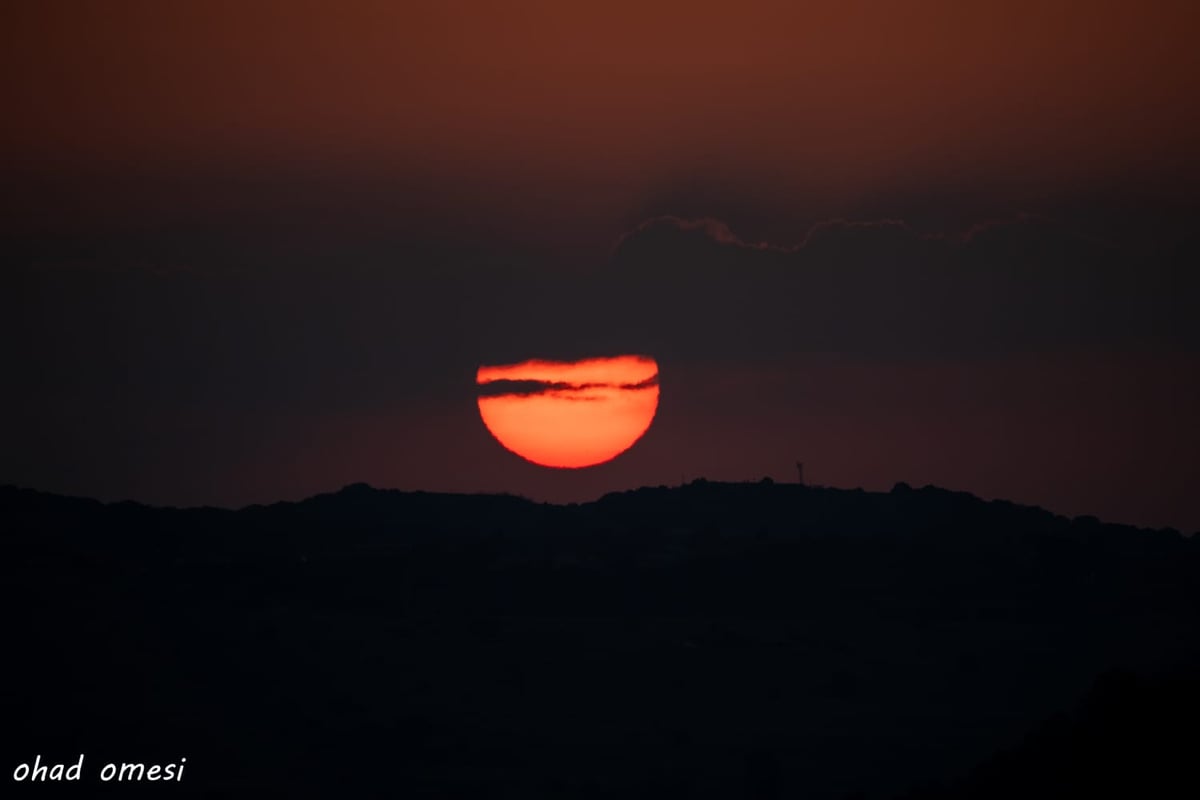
x: 710, y: 640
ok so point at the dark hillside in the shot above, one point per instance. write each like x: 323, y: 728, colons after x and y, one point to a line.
x: 711, y: 640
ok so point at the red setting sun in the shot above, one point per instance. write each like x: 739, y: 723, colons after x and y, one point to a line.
x: 569, y: 414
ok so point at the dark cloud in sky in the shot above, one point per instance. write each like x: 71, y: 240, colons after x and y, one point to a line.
x: 880, y: 289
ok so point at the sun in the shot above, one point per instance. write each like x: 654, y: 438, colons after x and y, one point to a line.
x: 569, y: 414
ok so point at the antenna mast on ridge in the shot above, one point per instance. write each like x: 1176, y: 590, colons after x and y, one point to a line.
x: 800, y: 472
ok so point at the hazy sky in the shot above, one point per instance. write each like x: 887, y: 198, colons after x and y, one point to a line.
x: 256, y: 250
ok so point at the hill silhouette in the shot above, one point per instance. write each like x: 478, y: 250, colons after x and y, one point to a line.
x: 712, y: 640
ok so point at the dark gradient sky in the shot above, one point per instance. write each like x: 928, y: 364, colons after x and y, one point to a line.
x: 257, y: 250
